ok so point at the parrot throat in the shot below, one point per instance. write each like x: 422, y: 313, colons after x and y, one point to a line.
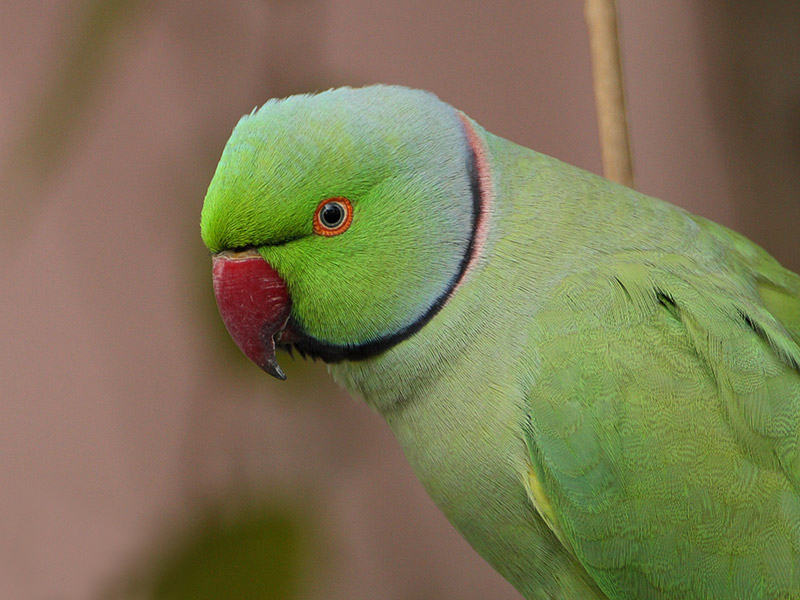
x: 480, y: 189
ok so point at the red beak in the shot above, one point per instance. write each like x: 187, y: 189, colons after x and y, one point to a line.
x: 254, y: 304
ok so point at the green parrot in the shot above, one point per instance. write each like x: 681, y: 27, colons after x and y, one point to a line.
x: 600, y: 390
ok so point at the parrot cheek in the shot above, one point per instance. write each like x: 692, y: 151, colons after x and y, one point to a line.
x: 254, y: 304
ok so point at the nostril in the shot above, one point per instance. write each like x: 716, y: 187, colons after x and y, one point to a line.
x: 239, y: 252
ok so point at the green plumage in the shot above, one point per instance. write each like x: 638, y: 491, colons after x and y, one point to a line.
x: 606, y: 405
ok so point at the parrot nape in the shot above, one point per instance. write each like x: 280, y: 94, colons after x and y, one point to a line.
x: 601, y: 391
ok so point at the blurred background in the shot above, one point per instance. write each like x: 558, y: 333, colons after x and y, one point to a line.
x: 141, y: 456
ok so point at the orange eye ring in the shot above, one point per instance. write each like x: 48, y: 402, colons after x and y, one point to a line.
x: 333, y: 216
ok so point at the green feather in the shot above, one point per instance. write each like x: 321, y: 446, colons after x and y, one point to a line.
x: 605, y: 403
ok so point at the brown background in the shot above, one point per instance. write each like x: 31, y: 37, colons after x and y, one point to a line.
x: 128, y: 420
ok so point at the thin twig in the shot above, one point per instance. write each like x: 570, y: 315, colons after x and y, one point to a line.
x: 601, y: 20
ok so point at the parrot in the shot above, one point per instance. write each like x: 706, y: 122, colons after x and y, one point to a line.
x: 597, y: 388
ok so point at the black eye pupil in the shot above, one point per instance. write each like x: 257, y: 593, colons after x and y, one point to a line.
x: 332, y: 214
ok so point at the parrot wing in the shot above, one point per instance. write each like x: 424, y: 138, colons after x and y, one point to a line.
x: 664, y: 424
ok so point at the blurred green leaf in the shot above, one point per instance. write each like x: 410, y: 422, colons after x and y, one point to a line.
x: 258, y: 552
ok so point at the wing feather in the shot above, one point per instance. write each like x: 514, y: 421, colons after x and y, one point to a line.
x: 665, y: 426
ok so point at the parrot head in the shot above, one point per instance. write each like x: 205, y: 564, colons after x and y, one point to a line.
x: 341, y: 222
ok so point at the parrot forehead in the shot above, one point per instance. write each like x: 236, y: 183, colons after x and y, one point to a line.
x: 340, y: 138
x: 306, y: 147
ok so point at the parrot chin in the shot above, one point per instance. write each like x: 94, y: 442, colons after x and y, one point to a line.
x: 254, y: 304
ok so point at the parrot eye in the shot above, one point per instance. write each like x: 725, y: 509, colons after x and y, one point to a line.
x: 333, y: 216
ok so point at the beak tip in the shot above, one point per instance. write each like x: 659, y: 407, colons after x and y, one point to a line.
x: 273, y: 368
